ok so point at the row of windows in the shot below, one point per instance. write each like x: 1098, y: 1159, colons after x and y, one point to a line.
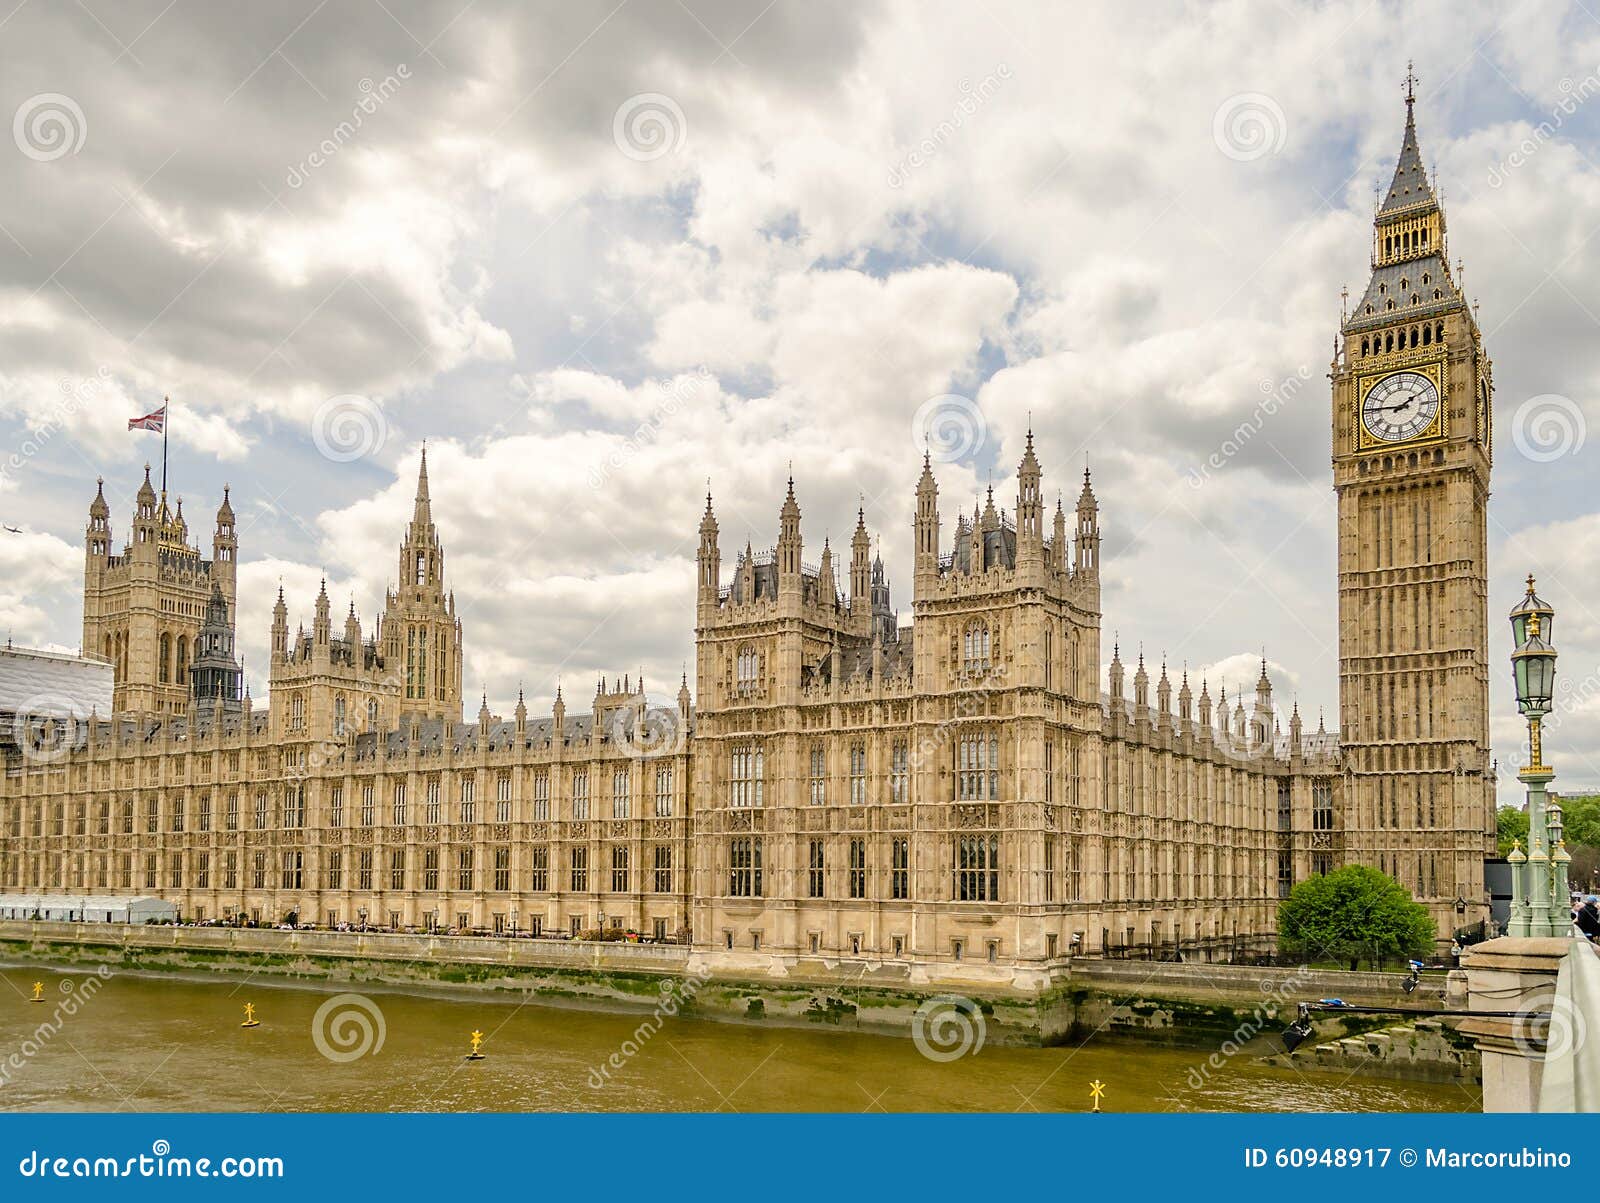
x: 294, y: 808
x: 1425, y: 335
x: 370, y: 870
x: 976, y: 879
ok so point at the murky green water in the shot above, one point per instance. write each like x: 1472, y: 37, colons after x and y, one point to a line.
x: 159, y: 1044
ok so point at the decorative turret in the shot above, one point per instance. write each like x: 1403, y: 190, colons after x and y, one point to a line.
x: 1115, y: 673
x: 885, y: 622
x: 225, y: 548
x: 1030, y: 510
x: 827, y: 589
x: 145, y: 520
x: 322, y: 624
x: 860, y: 567
x: 1060, y: 558
x: 280, y: 626
x: 683, y: 697
x: 926, y: 529
x: 789, y: 544
x: 1185, y: 700
x: 215, y: 676
x: 1141, y: 686
x: 97, y: 533
x: 352, y: 633
x: 558, y: 718
x: 1261, y: 722
x: 708, y: 560
x: 1164, y: 694
x: 1204, y: 717
x: 1087, y: 561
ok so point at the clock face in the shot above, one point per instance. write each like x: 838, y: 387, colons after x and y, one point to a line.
x: 1400, y: 407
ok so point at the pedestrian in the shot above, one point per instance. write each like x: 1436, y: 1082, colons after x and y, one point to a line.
x: 1588, y: 919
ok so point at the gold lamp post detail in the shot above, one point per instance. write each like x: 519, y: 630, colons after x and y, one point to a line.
x: 1538, y: 882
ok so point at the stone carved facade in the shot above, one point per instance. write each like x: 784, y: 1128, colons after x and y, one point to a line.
x: 951, y: 799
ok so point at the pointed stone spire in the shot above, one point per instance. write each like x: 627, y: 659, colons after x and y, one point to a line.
x: 1410, y: 187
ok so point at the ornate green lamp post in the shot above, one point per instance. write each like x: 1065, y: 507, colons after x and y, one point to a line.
x: 1538, y: 889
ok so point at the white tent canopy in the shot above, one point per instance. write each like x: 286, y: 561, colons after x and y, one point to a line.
x: 87, y: 908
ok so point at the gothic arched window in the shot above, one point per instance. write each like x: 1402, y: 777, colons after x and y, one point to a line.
x: 747, y: 665
x: 975, y: 648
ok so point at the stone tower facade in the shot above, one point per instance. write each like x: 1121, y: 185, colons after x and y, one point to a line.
x: 420, y: 633
x: 1412, y: 401
x: 144, y: 607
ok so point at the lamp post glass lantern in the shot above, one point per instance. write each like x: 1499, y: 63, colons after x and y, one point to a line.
x: 1538, y: 882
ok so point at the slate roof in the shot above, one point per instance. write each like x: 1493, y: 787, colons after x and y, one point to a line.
x: 1410, y: 187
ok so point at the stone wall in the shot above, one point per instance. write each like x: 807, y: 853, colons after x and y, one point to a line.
x: 1197, y: 1006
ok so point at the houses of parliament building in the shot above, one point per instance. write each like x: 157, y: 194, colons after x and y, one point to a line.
x: 956, y: 793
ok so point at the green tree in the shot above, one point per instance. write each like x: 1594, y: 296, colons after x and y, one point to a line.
x: 1580, y: 820
x: 1353, y: 912
x: 1513, y: 824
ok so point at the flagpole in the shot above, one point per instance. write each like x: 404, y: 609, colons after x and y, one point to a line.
x: 166, y: 416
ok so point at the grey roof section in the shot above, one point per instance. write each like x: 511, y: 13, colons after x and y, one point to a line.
x: 1410, y: 188
x: 1385, y: 287
x: 52, y: 684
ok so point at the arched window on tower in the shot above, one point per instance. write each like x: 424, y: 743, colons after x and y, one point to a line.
x: 338, y: 715
x: 747, y: 667
x: 975, y: 648
x: 182, y: 668
x: 372, y: 714
x: 166, y: 659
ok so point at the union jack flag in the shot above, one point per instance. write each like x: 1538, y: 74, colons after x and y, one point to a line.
x: 156, y: 421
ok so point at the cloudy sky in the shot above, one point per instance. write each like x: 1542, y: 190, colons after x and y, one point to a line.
x: 597, y: 254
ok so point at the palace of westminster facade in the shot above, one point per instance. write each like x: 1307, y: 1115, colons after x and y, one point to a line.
x: 956, y: 794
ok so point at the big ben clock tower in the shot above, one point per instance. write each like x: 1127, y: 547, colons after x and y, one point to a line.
x: 1412, y: 392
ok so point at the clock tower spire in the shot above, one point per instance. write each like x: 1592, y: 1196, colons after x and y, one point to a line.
x: 1412, y: 392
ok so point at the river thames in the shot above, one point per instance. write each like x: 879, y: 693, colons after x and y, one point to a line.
x: 138, y: 1043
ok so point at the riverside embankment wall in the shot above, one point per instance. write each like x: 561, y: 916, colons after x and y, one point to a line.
x: 1193, y: 1005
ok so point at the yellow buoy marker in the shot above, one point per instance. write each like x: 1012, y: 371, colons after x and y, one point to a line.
x: 475, y: 1055
x: 38, y: 992
x: 250, y: 1020
x: 1097, y: 1090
